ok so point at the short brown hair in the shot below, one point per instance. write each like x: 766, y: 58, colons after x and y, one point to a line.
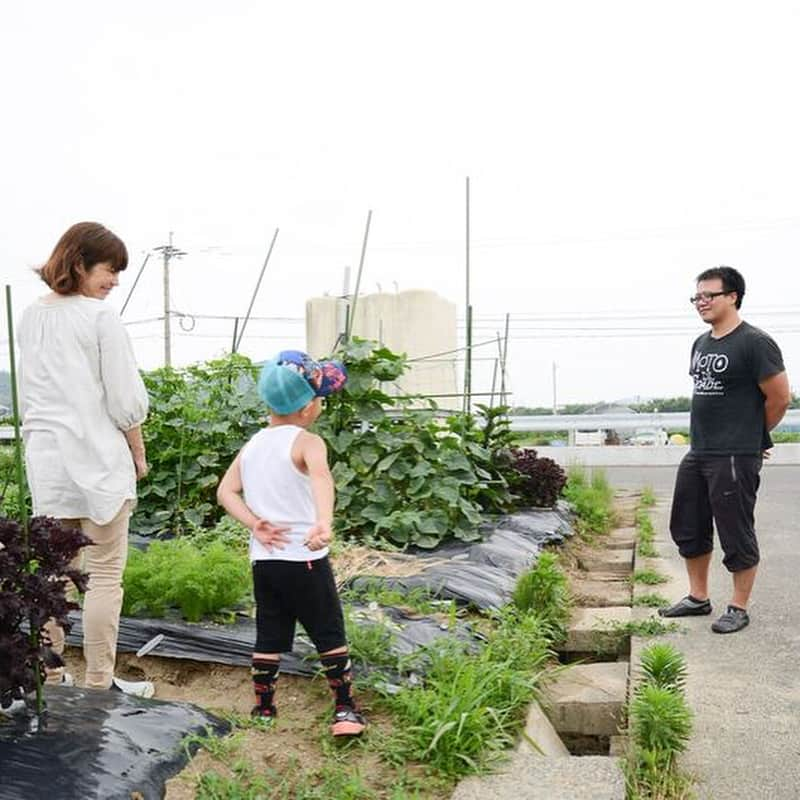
x: 77, y: 251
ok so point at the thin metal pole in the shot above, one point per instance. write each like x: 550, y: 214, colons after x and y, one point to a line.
x: 352, y: 315
x: 167, y: 332
x: 255, y: 291
x: 235, y: 329
x: 494, y: 380
x: 33, y: 633
x: 504, y: 361
x: 467, y: 303
x: 468, y: 364
x: 23, y: 517
x: 138, y: 275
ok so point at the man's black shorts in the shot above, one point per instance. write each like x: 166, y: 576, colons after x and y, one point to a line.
x: 722, y: 490
x: 287, y: 591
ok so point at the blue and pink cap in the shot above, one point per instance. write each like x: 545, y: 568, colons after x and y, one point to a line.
x: 292, y: 379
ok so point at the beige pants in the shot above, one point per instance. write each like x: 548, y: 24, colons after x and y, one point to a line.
x: 102, y: 603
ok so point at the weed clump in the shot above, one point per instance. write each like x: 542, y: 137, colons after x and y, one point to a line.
x: 200, y: 581
x: 592, y: 499
x: 660, y: 727
x: 544, y: 591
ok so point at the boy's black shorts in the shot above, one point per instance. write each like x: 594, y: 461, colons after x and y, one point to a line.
x: 287, y: 591
x: 721, y: 489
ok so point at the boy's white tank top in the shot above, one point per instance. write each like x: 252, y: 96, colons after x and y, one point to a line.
x: 275, y: 490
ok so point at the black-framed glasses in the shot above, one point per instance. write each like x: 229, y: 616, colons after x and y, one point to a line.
x: 707, y: 296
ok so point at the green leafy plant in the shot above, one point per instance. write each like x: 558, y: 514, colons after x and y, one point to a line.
x: 661, y: 723
x: 646, y: 534
x: 651, y: 600
x: 411, y: 477
x: 544, y: 590
x: 11, y: 505
x: 647, y: 497
x: 663, y: 665
x: 652, y: 626
x: 592, y: 499
x: 470, y: 707
x: 417, y: 599
x: 200, y: 581
x: 648, y: 577
x: 199, y: 418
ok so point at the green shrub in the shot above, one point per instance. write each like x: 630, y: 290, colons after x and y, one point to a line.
x: 544, y: 590
x: 199, y: 418
x: 663, y: 665
x: 661, y: 723
x: 471, y: 706
x: 410, y: 478
x: 200, y: 581
x: 592, y: 499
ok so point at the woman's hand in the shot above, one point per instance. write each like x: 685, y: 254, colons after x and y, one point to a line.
x: 142, y: 467
x: 270, y: 535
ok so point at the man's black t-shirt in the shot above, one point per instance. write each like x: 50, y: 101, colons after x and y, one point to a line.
x: 727, y: 404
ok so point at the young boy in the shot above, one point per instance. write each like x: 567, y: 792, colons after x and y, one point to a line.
x: 280, y: 487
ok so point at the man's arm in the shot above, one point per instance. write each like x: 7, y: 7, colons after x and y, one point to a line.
x: 315, y: 456
x: 777, y: 398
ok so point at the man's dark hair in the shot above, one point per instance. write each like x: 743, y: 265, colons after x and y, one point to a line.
x: 732, y: 280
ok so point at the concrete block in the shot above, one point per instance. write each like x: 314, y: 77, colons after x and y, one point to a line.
x: 588, y: 699
x: 618, y: 746
x: 539, y: 736
x: 591, y: 630
x: 617, y: 562
x: 620, y: 539
x: 593, y: 592
x: 572, y: 778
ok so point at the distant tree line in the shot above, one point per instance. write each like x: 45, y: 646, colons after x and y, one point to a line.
x: 650, y: 406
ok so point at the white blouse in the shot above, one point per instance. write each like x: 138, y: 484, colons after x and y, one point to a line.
x: 79, y: 390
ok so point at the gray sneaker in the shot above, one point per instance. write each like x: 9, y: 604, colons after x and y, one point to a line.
x: 734, y: 619
x: 135, y: 688
x: 687, y: 607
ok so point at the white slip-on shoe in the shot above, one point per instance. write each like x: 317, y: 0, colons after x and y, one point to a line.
x: 134, y: 688
x: 13, y: 707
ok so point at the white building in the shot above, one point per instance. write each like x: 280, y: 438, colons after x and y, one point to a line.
x: 417, y: 322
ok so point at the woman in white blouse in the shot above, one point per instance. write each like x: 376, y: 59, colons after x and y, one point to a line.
x: 83, y: 403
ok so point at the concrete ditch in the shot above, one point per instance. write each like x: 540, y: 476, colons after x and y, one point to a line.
x: 572, y: 744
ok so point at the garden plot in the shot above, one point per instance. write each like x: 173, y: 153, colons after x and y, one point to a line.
x: 481, y: 575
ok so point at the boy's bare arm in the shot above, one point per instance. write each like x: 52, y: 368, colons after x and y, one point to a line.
x: 315, y: 456
x: 229, y: 496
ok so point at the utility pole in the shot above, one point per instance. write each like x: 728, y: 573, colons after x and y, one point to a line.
x: 168, y: 252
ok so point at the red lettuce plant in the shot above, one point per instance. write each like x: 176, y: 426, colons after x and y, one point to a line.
x: 536, y: 481
x: 32, y: 586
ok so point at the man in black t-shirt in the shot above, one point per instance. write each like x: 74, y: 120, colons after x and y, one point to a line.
x: 741, y: 393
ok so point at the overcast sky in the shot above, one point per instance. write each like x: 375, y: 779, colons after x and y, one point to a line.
x: 614, y: 150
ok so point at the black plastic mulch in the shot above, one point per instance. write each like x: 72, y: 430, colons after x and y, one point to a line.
x: 98, y: 744
x: 481, y: 574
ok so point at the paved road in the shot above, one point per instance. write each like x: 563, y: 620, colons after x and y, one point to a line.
x: 745, y: 687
